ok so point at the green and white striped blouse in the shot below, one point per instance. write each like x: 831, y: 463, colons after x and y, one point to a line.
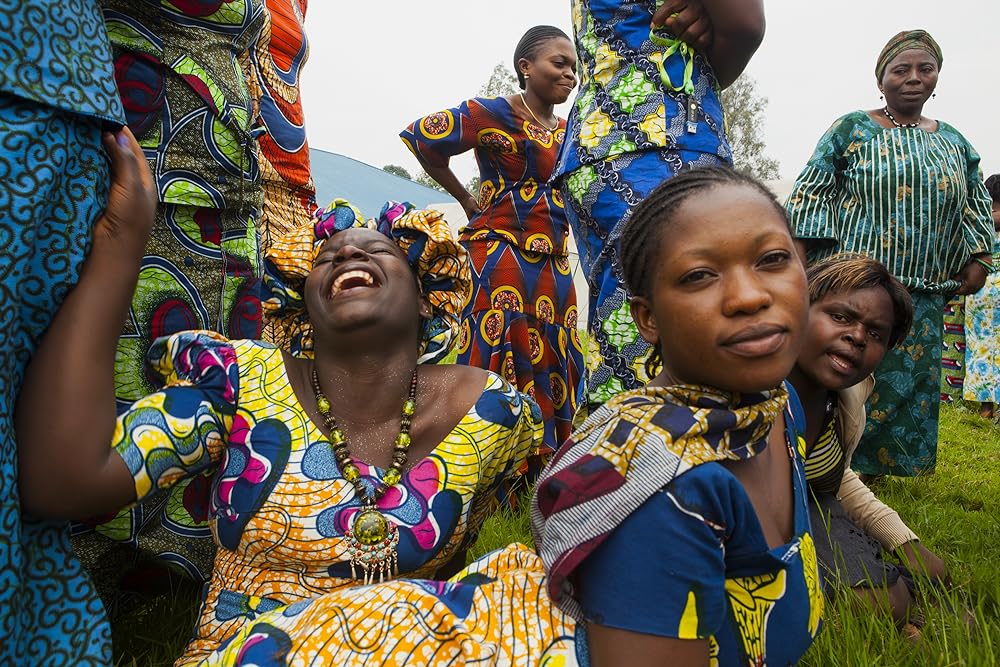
x: 911, y: 199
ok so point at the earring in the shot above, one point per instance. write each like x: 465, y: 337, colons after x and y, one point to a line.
x: 881, y: 97
x: 933, y: 94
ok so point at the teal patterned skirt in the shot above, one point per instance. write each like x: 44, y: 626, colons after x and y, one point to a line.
x: 902, y: 431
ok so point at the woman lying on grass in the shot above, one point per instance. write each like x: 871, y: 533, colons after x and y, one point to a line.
x: 858, y: 312
x: 674, y: 524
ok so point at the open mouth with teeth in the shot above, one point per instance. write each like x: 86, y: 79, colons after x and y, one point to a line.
x: 842, y: 363
x: 351, y: 280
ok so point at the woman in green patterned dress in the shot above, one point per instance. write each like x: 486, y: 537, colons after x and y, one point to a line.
x: 905, y: 190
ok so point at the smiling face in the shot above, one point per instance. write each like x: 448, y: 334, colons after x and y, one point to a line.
x: 728, y: 297
x: 361, y: 278
x: 552, y: 70
x: 847, y: 336
x: 909, y: 80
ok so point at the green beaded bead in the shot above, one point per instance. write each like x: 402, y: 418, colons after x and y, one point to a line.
x: 403, y: 440
x: 409, y: 407
x: 323, y: 404
x: 336, y: 436
x: 351, y: 472
x: 391, y: 476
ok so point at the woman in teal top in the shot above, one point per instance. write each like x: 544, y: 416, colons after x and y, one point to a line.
x: 906, y: 191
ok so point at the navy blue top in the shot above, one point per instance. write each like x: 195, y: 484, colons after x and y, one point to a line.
x: 693, y: 563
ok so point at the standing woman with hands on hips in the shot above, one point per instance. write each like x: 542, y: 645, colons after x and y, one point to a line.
x: 906, y: 190
x: 522, y: 317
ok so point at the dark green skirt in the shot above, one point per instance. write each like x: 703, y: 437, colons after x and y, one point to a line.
x: 902, y: 431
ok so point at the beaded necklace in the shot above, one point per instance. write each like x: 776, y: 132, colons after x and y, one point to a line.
x: 372, y: 537
x: 895, y: 122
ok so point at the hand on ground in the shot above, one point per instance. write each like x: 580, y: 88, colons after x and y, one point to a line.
x: 922, y: 561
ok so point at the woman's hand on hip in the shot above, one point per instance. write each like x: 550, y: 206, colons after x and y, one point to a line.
x: 972, y: 276
x: 471, y: 206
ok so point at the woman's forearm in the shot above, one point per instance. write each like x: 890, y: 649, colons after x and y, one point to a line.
x: 66, y: 409
x: 65, y: 416
x: 738, y: 29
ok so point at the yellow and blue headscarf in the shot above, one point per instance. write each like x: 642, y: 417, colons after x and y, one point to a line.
x: 904, y: 41
x: 439, y: 262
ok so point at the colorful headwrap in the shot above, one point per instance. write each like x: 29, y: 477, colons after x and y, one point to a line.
x: 904, y: 41
x: 626, y: 451
x: 440, y: 263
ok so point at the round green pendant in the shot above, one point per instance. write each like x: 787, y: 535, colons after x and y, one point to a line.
x: 370, y: 527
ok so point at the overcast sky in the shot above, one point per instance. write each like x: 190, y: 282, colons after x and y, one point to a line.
x: 376, y: 66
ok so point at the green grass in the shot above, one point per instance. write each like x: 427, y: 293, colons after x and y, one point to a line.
x: 956, y: 512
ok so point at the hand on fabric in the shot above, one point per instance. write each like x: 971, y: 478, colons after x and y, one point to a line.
x: 973, y: 277
x: 687, y: 20
x: 921, y: 560
x: 471, y: 206
x: 125, y: 226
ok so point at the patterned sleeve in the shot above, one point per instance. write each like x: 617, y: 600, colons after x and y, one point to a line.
x: 977, y: 218
x: 812, y: 203
x: 516, y: 426
x: 435, y: 138
x: 181, y: 429
x: 662, y: 571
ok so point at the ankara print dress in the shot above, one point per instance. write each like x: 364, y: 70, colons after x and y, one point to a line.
x: 521, y: 320
x: 279, y: 507
x: 276, y: 62
x: 982, y: 336
x: 57, y: 87
x: 180, y: 69
x: 953, y: 349
x: 642, y: 528
x: 645, y: 110
x: 914, y: 201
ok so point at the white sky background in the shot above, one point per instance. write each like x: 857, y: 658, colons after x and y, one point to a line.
x: 376, y: 66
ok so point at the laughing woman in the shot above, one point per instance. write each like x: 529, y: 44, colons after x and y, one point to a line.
x: 903, y: 189
x: 352, y: 462
x: 521, y: 321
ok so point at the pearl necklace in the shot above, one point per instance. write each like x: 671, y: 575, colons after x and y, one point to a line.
x: 896, y: 122
x: 372, y: 538
x: 540, y: 123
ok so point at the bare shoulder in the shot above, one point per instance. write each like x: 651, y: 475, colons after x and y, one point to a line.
x: 456, y: 386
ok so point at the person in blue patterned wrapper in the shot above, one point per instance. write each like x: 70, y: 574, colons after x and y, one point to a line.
x: 57, y: 89
x: 651, y: 72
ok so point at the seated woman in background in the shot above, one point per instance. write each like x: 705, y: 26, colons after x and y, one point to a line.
x: 858, y: 312
x: 674, y: 524
x: 352, y: 463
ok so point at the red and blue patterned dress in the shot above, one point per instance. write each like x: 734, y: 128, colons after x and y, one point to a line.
x: 521, y: 320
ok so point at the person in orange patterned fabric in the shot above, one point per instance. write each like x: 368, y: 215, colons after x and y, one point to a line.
x: 276, y: 62
x: 521, y: 320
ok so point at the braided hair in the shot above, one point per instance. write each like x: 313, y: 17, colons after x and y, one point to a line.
x: 642, y: 232
x: 528, y: 47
